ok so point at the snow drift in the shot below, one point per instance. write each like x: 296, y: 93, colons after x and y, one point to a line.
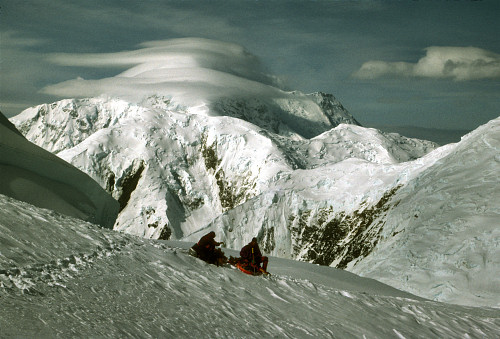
x: 32, y: 174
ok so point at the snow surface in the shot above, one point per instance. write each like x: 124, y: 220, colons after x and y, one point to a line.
x: 32, y: 174
x: 439, y: 237
x: 61, y: 277
x: 442, y: 241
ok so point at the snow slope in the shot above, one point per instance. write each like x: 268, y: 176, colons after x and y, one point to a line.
x: 70, y: 278
x: 32, y: 174
x: 428, y: 226
x: 442, y: 240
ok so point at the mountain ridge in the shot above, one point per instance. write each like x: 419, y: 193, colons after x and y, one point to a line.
x: 95, y: 132
x: 325, y: 199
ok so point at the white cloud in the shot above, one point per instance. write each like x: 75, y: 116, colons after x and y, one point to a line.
x: 189, y: 69
x: 14, y: 39
x: 458, y: 63
x: 175, y: 53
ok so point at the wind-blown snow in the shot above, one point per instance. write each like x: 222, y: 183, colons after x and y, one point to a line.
x: 32, y: 174
x: 62, y: 277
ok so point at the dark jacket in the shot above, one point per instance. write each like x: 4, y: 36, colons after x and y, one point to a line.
x: 207, y: 242
x: 246, y: 252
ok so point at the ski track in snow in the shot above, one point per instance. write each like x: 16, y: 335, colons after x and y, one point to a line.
x: 94, y: 282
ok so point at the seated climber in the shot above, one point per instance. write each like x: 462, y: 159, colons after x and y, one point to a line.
x: 250, y: 255
x: 206, y: 251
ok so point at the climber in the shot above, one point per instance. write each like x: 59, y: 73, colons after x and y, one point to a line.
x: 251, y: 256
x: 206, y: 251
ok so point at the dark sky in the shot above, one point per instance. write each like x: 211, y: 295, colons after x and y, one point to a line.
x: 433, y: 64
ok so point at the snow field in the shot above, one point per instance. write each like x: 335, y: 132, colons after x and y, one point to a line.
x: 97, y: 282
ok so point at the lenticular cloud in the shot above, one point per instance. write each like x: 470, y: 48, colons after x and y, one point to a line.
x: 188, y: 69
x: 458, y: 63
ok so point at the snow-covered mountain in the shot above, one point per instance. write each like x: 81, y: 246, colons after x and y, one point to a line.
x: 175, y: 171
x: 32, y: 174
x: 231, y: 152
x: 441, y: 238
x: 73, y: 279
x: 429, y: 226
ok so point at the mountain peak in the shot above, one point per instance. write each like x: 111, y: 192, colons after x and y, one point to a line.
x: 208, y: 77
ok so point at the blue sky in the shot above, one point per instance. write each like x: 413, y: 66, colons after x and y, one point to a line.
x: 433, y: 64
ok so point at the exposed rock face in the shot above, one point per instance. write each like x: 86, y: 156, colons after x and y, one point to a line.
x: 327, y: 238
